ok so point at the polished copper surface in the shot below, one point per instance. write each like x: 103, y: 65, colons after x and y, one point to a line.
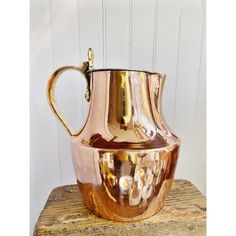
x: 125, y: 155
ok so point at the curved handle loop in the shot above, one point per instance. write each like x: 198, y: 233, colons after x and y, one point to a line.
x: 83, y: 68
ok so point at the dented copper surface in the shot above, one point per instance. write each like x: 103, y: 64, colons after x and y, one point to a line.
x: 125, y: 155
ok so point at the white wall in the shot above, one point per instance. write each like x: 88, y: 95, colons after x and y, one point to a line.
x: 158, y: 35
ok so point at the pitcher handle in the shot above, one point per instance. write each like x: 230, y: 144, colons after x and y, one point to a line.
x: 83, y: 69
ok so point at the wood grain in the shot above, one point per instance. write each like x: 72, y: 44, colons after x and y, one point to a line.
x: 184, y: 213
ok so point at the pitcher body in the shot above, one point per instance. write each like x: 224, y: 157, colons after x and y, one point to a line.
x: 125, y: 155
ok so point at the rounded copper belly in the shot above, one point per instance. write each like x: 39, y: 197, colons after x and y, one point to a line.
x: 125, y: 185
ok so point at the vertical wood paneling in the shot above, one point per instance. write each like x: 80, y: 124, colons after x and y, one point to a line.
x: 141, y: 43
x: 64, y: 24
x: 117, y: 33
x: 44, y: 169
x: 104, y: 33
x: 89, y: 36
x: 167, y: 41
x: 199, y: 162
x: 159, y: 35
x: 188, y: 83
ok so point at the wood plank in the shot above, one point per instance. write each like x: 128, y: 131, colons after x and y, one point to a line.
x: 200, y: 123
x: 43, y: 129
x: 184, y: 213
x: 167, y: 49
x: 187, y: 86
x: 64, y: 38
x: 116, y: 33
x: 90, y: 35
x: 141, y: 34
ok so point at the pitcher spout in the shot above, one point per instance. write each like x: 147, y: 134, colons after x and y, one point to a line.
x: 156, y: 85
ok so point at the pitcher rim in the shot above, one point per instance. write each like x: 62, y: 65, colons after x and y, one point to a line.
x: 129, y: 70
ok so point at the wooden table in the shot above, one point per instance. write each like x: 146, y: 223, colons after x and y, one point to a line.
x: 184, y: 213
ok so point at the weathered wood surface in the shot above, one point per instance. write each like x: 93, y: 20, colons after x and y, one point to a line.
x: 184, y: 213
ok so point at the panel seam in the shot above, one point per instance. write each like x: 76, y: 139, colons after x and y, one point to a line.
x: 154, y: 46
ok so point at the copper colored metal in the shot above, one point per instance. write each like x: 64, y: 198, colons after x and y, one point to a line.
x: 125, y: 155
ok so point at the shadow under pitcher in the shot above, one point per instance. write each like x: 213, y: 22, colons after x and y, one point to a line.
x: 125, y: 155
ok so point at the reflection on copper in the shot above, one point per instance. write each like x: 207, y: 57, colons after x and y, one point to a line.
x: 125, y: 155
x: 138, y: 183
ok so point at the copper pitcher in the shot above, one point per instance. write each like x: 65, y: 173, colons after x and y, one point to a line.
x: 125, y: 155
